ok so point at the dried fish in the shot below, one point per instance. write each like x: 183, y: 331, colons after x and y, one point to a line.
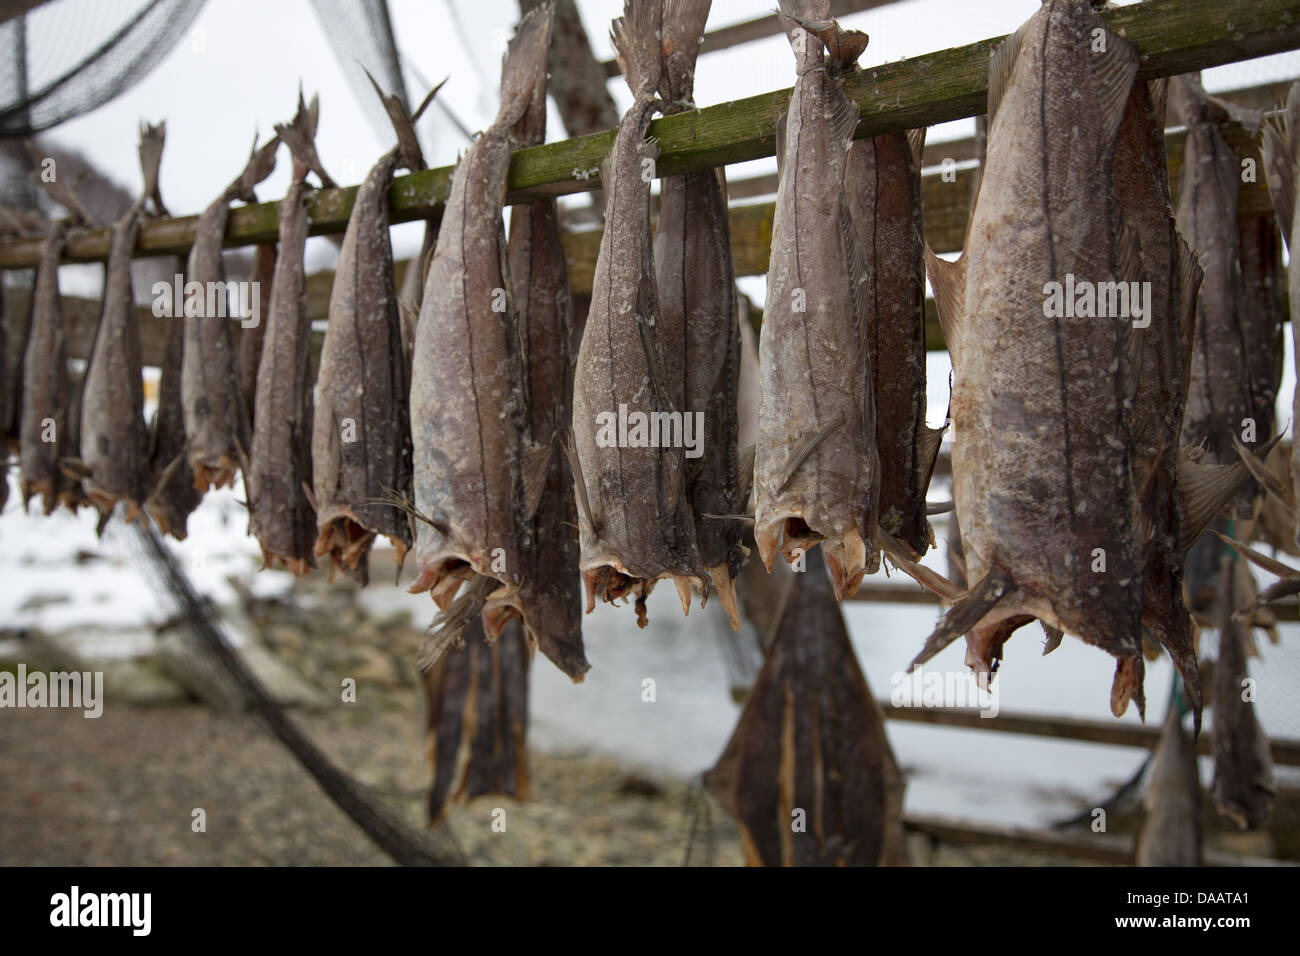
x: 697, y: 311
x: 279, y: 473
x: 816, y: 468
x: 216, y: 416
x: 478, y: 719
x: 808, y: 773
x: 551, y: 589
x: 174, y: 494
x: 114, y: 440
x: 45, y: 403
x: 1170, y: 831
x: 1042, y: 395
x: 882, y: 185
x: 252, y: 337
x: 1243, y: 760
x: 361, y: 445
x: 629, y: 423
x: 468, y: 410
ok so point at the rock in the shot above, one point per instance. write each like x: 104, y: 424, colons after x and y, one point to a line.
x: 131, y: 674
x: 190, y: 665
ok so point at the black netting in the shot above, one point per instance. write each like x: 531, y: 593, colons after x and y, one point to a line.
x: 67, y: 57
x: 361, y: 34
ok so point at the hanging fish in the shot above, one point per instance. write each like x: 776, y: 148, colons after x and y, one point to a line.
x: 174, y: 494
x: 816, y: 468
x: 697, y: 311
x: 808, y: 774
x: 478, y: 719
x: 1162, y: 476
x: 1236, y: 366
x: 882, y: 185
x: 114, y: 440
x: 550, y: 590
x: 361, y: 444
x: 215, y: 413
x: 279, y: 474
x: 1170, y: 831
x: 45, y: 404
x: 1243, y: 761
x: 252, y: 337
x: 1042, y: 395
x: 636, y: 523
x: 468, y: 407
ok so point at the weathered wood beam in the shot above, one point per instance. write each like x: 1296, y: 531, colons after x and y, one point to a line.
x: 1285, y: 751
x: 1174, y: 36
x: 758, y: 29
x: 1096, y: 847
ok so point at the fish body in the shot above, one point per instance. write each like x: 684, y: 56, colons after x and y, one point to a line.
x: 468, y: 408
x: 174, y: 493
x: 882, y: 184
x: 551, y: 590
x: 1244, y: 789
x: 816, y: 468
x: 1041, y: 404
x: 45, y: 408
x: 808, y: 774
x: 114, y: 440
x: 252, y: 338
x: 218, y: 431
x: 698, y: 311
x: 279, y: 475
x: 477, y: 722
x: 361, y: 446
x: 636, y: 523
x: 1170, y: 831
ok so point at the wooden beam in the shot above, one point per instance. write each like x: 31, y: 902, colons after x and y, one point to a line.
x: 1096, y: 847
x: 1174, y: 36
x: 1286, y: 752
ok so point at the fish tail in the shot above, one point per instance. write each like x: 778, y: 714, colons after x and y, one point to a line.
x: 408, y: 144
x: 635, y: 36
x: 523, y: 73
x: 682, y: 32
x: 300, y: 136
x: 152, y: 139
x: 261, y: 163
x: 803, y: 17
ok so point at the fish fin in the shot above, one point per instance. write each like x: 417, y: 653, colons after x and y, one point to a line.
x: 1159, y: 92
x: 635, y: 37
x: 580, y: 483
x: 916, y: 142
x: 408, y: 144
x: 928, y: 449
x: 1001, y: 65
x: 1190, y: 276
x: 1052, y: 638
x: 299, y: 134
x: 152, y: 139
x: 799, y: 454
x: 537, y: 461
x: 523, y: 72
x: 949, y: 282
x: 1261, y: 473
x: 1127, y: 685
x: 683, y: 585
x: 1204, y: 489
x: 1132, y: 272
x: 261, y: 163
x: 681, y: 33
x: 745, y: 473
x: 964, y: 615
x: 726, y: 588
x: 1115, y: 69
x: 843, y: 47
x: 928, y: 578
x: 843, y: 119
x: 1271, y: 565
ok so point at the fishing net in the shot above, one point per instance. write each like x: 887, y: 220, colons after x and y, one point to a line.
x: 65, y: 58
x: 360, y: 32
